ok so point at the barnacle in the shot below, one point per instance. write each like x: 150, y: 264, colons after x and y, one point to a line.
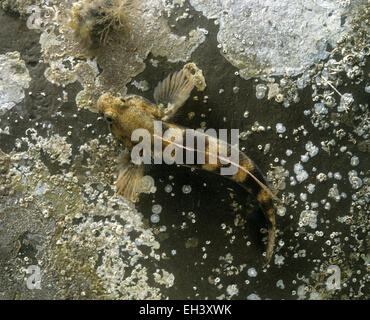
x: 94, y: 22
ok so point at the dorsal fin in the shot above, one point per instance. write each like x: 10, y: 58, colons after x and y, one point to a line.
x: 174, y: 90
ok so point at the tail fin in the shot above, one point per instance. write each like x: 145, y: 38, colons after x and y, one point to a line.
x: 249, y: 177
x: 268, y: 208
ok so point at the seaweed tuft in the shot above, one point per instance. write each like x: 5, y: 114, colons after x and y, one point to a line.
x: 95, y: 22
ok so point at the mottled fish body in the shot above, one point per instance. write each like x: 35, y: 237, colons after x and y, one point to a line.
x: 132, y: 112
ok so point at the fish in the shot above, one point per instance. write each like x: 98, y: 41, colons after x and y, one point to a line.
x: 125, y: 114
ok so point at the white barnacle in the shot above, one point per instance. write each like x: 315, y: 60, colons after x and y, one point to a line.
x: 280, y: 128
x: 186, y: 189
x: 156, y: 208
x: 355, y: 161
x: 260, y: 91
x: 279, y: 98
x: 243, y: 135
x: 252, y: 272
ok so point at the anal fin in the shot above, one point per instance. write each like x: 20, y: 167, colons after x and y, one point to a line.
x: 129, y: 179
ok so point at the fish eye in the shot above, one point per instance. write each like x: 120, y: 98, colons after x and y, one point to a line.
x: 108, y: 119
x: 125, y: 98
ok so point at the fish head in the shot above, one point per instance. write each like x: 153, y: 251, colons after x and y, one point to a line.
x: 124, y: 114
x: 110, y: 107
x: 116, y: 113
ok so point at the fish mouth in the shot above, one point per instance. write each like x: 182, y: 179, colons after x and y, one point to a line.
x: 108, y: 119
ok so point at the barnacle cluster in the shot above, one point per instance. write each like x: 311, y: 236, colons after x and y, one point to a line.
x: 256, y: 36
x: 346, y: 60
x: 94, y: 22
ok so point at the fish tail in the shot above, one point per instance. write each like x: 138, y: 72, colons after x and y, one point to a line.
x: 247, y: 175
x: 250, y: 178
x: 267, y: 205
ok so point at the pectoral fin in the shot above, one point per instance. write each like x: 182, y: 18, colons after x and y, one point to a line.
x: 173, y: 91
x: 129, y: 178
